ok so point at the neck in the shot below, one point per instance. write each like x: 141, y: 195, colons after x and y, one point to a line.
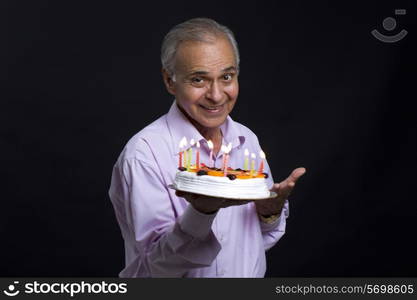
x: 213, y: 134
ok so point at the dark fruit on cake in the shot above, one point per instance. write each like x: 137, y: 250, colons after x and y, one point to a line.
x: 232, y: 174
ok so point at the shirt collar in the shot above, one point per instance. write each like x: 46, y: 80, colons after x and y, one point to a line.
x: 179, y: 126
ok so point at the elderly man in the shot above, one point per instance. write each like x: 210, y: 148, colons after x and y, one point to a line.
x: 168, y: 234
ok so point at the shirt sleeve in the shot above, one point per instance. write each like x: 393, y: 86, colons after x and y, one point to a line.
x: 272, y: 233
x: 164, y: 245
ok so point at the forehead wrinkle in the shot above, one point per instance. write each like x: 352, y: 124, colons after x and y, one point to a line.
x: 193, y: 57
x: 219, y: 67
x: 200, y: 72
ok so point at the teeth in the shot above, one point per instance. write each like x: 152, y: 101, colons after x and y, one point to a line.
x: 212, y: 108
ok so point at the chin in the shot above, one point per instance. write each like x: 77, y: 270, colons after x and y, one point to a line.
x: 213, y: 123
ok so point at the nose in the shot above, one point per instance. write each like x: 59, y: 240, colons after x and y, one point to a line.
x: 215, y: 92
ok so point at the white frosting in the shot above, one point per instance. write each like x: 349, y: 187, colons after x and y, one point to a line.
x: 254, y: 188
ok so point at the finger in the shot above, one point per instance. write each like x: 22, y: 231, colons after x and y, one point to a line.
x: 228, y: 203
x: 285, y: 189
x: 179, y: 194
x: 186, y: 194
x: 194, y: 196
x: 289, y: 183
x: 243, y: 202
x: 295, y: 175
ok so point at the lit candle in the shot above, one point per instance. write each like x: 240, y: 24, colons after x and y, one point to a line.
x: 261, y: 165
x: 185, y: 160
x: 226, y: 157
x: 197, y: 160
x: 190, y: 154
x: 223, y: 148
x: 246, y: 162
x: 210, y: 145
x: 180, y: 158
x: 252, y: 169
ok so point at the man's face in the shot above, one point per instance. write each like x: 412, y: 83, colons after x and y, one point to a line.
x: 206, y: 85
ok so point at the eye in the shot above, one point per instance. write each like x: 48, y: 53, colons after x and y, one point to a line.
x: 228, y: 77
x: 197, y: 80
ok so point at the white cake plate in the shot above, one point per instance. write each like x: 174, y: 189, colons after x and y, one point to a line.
x: 271, y: 195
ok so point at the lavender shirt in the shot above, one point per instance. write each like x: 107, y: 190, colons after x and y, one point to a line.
x: 164, y: 235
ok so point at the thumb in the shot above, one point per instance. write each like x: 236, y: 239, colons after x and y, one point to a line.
x: 275, y: 187
x: 179, y: 193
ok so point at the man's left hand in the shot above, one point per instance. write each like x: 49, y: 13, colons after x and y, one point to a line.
x: 283, y: 189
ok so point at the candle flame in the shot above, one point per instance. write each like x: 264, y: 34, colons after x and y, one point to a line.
x: 246, y: 152
x: 223, y: 148
x: 183, y: 142
x: 262, y: 154
x: 210, y: 144
x: 198, y: 144
x: 192, y: 142
x: 226, y: 149
x: 253, y: 155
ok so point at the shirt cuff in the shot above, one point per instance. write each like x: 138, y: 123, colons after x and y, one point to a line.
x: 282, y: 218
x: 196, y: 223
x: 270, y: 219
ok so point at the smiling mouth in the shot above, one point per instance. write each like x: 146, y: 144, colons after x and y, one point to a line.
x: 213, y: 109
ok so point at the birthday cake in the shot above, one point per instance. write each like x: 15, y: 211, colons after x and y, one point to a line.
x: 226, y: 182
x: 235, y: 184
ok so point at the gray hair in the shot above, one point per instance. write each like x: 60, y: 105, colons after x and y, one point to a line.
x: 197, y: 29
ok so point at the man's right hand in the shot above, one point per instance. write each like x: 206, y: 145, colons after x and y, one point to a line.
x: 207, y: 204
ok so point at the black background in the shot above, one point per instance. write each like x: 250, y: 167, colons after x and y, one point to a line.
x: 78, y: 79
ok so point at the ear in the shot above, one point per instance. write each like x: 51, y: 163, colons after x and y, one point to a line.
x: 169, y: 83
